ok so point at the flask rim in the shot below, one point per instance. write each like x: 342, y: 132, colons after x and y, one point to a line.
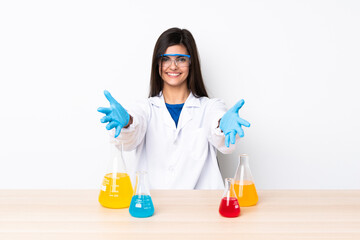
x: 230, y: 180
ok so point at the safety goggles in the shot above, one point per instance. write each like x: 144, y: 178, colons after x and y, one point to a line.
x: 181, y: 60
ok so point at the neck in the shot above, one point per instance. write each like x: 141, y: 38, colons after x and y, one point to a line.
x: 175, y: 96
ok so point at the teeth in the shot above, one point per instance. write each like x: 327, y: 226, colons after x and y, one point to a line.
x: 174, y: 74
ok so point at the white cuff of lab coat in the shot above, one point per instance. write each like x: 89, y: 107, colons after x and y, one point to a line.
x: 128, y: 136
x: 132, y: 126
x: 218, y: 139
x: 215, y: 129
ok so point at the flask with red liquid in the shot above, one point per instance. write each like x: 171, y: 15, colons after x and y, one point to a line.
x: 229, y: 206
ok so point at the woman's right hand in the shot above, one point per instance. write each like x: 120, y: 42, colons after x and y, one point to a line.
x: 116, y: 115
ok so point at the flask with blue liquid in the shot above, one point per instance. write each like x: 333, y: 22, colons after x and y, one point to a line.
x: 141, y: 205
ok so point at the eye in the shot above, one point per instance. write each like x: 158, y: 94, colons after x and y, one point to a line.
x: 182, y: 59
x: 165, y: 59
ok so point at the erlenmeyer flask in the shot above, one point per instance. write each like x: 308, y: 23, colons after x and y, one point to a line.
x: 141, y: 203
x: 244, y: 184
x: 116, y: 190
x: 229, y: 206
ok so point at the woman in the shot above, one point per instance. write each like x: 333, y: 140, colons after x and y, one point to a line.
x: 177, y: 130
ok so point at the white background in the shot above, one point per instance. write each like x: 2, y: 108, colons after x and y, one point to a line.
x: 296, y: 64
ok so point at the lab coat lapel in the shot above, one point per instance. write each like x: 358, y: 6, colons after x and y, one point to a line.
x: 160, y: 103
x: 166, y: 115
x: 185, y: 117
x: 187, y: 112
x: 167, y: 118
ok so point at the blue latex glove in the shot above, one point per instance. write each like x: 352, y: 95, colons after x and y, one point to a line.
x: 231, y: 123
x: 116, y: 115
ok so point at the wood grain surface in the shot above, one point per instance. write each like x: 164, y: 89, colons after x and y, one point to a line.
x: 180, y: 214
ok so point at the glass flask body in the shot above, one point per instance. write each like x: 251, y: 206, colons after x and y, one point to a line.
x: 244, y: 184
x: 116, y: 189
x: 229, y: 206
x: 141, y: 205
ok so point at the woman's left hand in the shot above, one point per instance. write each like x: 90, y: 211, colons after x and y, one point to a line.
x: 231, y: 123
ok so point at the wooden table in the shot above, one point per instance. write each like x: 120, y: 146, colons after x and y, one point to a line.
x: 180, y: 214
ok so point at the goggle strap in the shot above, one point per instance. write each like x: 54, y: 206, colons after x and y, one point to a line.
x: 183, y: 55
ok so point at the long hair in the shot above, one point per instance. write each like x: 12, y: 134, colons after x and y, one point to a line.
x: 171, y: 37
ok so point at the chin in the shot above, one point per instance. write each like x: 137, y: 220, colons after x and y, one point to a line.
x: 175, y: 83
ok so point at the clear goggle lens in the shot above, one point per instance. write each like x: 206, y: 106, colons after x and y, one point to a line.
x: 180, y: 60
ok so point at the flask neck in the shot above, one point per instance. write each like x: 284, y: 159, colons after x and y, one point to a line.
x: 244, y: 160
x: 228, y: 183
x: 243, y: 173
x: 229, y: 188
x: 116, y: 163
x: 141, y: 187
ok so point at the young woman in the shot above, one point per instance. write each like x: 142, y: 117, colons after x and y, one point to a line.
x: 178, y: 128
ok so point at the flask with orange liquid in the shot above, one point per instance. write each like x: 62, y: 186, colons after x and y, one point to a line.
x: 116, y: 189
x: 244, y: 184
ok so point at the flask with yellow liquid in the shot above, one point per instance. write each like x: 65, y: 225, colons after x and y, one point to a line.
x: 116, y: 189
x: 244, y: 184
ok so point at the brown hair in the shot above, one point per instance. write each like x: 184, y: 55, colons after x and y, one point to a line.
x: 171, y: 37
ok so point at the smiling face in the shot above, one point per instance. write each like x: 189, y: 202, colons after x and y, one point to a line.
x: 174, y: 76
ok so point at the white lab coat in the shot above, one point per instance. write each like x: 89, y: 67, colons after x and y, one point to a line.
x: 182, y: 157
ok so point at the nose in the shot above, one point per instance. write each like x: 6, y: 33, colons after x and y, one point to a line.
x: 173, y: 64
